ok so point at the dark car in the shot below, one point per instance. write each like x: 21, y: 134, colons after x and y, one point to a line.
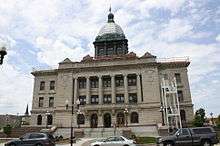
x: 33, y: 139
x: 199, y: 136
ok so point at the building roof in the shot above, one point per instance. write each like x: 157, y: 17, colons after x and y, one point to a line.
x: 111, y: 28
x: 110, y: 31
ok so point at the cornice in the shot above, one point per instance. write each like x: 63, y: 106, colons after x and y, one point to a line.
x: 177, y: 64
x: 45, y: 72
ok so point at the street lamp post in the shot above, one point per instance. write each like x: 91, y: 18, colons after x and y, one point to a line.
x: 72, y: 112
x: 2, y: 54
x: 78, y: 111
x: 47, y: 113
x: 126, y: 116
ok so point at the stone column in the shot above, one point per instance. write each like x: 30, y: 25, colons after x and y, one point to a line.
x: 126, y: 88
x: 114, y: 120
x: 87, y: 90
x: 100, y: 90
x: 138, y: 88
x: 75, y: 89
x: 100, y: 119
x: 113, y: 88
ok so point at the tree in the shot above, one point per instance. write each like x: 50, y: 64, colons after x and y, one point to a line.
x: 7, y: 129
x: 218, y: 122
x: 199, y: 119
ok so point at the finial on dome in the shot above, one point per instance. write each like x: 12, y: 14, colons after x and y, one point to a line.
x: 110, y: 9
x: 110, y: 15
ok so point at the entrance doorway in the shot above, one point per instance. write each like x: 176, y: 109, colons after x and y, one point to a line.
x: 120, y: 119
x: 94, y: 121
x: 107, y: 120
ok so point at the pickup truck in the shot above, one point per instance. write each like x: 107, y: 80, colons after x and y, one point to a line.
x: 199, y: 136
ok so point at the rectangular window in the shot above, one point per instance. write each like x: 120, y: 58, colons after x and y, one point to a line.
x: 42, y: 85
x: 106, y: 82
x: 82, y: 100
x: 178, y: 78
x: 180, y: 96
x: 119, y: 50
x: 132, y: 97
x: 132, y: 80
x: 82, y: 83
x: 119, y: 81
x: 51, y: 101
x: 94, y: 99
x: 120, y: 98
x: 94, y: 82
x: 109, y: 51
x: 41, y: 102
x: 52, y: 85
x: 107, y: 99
x: 101, y: 51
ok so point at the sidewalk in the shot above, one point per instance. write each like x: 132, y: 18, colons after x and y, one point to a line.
x: 82, y: 142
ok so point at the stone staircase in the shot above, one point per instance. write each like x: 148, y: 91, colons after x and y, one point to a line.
x: 100, y: 132
x: 141, y: 131
x: 18, y: 132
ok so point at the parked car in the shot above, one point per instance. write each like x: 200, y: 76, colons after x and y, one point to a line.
x: 33, y: 139
x: 199, y: 136
x: 114, y: 141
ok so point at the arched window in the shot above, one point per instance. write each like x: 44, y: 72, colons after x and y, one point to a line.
x: 49, y: 119
x: 183, y: 115
x: 81, y: 119
x: 39, y: 120
x: 134, y: 117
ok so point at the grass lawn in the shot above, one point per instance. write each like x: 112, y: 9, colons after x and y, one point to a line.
x: 146, y: 140
x: 2, y: 141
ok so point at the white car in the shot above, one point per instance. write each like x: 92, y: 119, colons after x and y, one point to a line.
x: 114, y: 141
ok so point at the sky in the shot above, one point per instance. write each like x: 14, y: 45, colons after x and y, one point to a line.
x: 39, y: 34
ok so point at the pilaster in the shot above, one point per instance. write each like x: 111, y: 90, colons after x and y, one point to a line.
x: 113, y: 88
x: 126, y: 88
x: 87, y: 90
x: 100, y: 90
x: 138, y: 88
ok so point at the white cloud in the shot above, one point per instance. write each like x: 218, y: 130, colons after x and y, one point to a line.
x: 16, y: 89
x: 66, y: 28
x: 51, y: 52
x: 175, y: 29
x: 218, y: 38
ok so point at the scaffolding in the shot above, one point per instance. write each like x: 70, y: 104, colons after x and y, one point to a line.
x: 170, y: 104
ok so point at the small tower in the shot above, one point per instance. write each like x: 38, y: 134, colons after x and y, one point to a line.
x: 26, y: 112
x: 111, y: 40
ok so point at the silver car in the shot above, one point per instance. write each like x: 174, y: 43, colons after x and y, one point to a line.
x: 114, y: 141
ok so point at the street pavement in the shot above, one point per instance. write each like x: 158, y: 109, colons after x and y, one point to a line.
x: 83, y: 142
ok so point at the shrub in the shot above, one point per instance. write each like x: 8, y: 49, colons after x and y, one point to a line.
x: 7, y: 129
x: 146, y: 140
x: 199, y: 119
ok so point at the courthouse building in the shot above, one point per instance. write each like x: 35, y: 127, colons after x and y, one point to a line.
x: 115, y: 87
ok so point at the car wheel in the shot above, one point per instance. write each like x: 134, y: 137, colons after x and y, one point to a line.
x: 206, y: 143
x: 96, y: 145
x: 12, y: 144
x: 38, y: 144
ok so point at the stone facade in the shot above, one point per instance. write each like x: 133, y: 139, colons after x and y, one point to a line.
x: 114, y: 88
x: 147, y: 72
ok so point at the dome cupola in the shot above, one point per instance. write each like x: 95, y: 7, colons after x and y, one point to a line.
x: 110, y: 39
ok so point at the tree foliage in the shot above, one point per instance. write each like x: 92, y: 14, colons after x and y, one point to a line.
x: 7, y: 129
x: 218, y: 122
x: 199, y: 119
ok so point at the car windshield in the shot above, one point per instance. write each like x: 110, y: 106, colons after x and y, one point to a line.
x: 26, y: 136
